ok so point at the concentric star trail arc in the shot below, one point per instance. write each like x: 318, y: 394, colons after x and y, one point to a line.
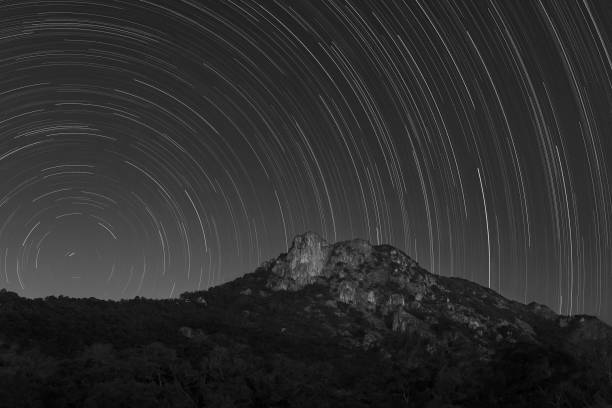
x: 172, y: 146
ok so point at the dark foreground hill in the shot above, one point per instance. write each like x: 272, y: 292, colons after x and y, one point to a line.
x: 342, y: 325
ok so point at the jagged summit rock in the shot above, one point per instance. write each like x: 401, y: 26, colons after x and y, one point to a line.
x: 302, y: 264
x: 311, y: 257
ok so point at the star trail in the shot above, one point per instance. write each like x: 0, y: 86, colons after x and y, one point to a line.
x: 153, y: 147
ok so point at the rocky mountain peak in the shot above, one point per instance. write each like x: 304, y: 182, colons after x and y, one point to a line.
x: 312, y: 259
x: 394, y: 292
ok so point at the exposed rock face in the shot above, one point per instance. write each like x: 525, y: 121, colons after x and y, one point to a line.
x: 311, y: 257
x: 302, y: 264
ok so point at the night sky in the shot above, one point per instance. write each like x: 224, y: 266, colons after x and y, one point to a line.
x: 153, y: 147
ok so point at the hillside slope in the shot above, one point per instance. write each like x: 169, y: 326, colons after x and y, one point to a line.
x: 328, y: 325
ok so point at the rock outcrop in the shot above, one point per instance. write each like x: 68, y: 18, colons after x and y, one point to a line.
x: 303, y: 263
